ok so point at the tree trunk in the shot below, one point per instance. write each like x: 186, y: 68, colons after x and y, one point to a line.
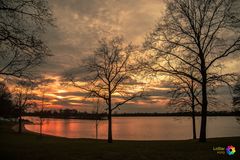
x: 41, y: 123
x: 193, y: 109
x: 110, y: 126
x: 96, y: 129
x: 202, y: 137
x: 20, y: 124
x: 20, y: 120
x: 110, y: 119
x: 193, y: 123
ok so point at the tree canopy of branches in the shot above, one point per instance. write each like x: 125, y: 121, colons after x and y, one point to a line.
x: 108, y: 75
x: 199, y: 34
x: 22, y: 22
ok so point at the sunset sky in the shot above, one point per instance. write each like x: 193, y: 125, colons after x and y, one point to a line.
x: 79, y: 24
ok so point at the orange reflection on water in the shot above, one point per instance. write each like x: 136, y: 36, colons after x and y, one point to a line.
x: 138, y: 128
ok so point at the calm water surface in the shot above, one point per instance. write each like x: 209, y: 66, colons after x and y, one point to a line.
x: 138, y: 128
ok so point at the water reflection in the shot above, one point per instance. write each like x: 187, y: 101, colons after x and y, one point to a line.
x: 138, y: 128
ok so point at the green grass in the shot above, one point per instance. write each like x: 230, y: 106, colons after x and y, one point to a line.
x: 29, y: 146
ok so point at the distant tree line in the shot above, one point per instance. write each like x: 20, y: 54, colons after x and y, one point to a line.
x: 75, y: 114
x: 67, y: 113
x: 188, y: 114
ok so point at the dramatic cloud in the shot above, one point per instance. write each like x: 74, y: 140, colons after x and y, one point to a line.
x: 80, y: 24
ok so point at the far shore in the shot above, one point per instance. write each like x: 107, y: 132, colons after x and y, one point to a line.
x: 103, y: 116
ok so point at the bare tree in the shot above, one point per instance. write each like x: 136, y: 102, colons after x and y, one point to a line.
x: 41, y: 111
x: 207, y: 32
x: 185, y: 95
x: 42, y: 86
x: 22, y: 23
x: 23, y: 98
x: 97, y: 111
x: 108, y: 76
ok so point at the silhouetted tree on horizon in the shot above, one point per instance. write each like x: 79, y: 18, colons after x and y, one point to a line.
x: 207, y: 32
x: 107, y: 75
x: 42, y: 84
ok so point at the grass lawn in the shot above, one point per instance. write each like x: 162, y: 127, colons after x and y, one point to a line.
x: 29, y: 146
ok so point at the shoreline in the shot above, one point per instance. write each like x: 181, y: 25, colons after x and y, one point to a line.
x: 129, y: 116
x: 24, y: 130
x: 30, y: 146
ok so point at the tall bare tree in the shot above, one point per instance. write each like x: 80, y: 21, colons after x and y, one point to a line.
x: 207, y: 31
x: 42, y: 85
x: 185, y: 96
x: 108, y: 76
x: 23, y: 98
x: 22, y: 23
x: 96, y: 112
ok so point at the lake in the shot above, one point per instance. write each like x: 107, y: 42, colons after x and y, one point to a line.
x: 137, y: 128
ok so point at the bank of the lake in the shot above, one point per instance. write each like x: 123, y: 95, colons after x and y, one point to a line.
x: 74, y: 114
x: 30, y: 146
